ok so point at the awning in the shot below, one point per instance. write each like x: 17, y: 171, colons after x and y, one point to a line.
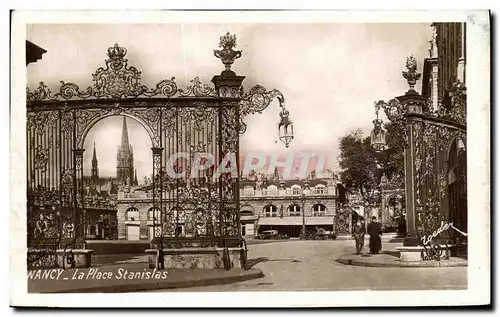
x: 295, y: 221
x: 248, y: 218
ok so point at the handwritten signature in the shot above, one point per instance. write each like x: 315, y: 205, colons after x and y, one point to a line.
x: 444, y: 226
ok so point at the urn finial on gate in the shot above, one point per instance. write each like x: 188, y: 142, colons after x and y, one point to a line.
x: 227, y: 54
x: 411, y: 75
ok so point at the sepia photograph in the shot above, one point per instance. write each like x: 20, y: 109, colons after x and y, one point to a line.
x: 252, y: 155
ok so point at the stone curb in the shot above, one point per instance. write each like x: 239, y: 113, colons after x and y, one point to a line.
x: 354, y: 262
x: 196, y: 282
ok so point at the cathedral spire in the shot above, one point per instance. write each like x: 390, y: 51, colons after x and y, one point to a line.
x: 125, y: 158
x: 124, y: 133
x: 95, y: 168
x: 94, y: 157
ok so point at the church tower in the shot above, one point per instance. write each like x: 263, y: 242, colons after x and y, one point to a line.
x: 125, y: 159
x: 94, y: 178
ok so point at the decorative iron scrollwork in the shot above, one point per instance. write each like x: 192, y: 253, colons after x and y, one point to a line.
x: 457, y: 111
x: 40, y: 121
x: 117, y: 80
x: 41, y: 159
x: 177, y: 120
x: 432, y: 252
x: 257, y: 99
x: 197, y: 89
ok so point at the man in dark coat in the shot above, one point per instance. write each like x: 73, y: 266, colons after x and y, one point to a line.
x: 375, y: 231
x: 358, y: 231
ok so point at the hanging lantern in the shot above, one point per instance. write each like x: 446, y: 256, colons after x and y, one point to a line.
x: 285, y: 128
x: 377, y: 137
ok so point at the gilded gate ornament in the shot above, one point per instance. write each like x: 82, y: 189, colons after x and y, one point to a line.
x: 227, y: 55
x: 176, y: 120
x: 411, y: 74
x: 427, y: 147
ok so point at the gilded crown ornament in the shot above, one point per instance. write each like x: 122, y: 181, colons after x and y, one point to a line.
x: 116, y: 55
x: 227, y: 55
x: 411, y: 75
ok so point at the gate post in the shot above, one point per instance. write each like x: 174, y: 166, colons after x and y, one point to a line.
x: 414, y: 103
x: 79, y: 208
x: 157, y: 180
x: 229, y: 90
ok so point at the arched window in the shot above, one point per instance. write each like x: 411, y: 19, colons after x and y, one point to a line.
x: 319, y: 210
x: 296, y: 190
x: 294, y: 210
x: 271, y: 211
x: 272, y: 190
x: 154, y: 214
x: 246, y: 210
x: 132, y: 214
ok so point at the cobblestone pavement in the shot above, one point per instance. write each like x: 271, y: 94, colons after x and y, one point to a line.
x: 311, y: 265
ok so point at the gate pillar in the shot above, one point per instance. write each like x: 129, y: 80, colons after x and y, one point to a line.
x: 157, y: 240
x: 414, y: 103
x: 79, y: 208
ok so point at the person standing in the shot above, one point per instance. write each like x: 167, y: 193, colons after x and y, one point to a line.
x: 375, y: 232
x: 358, y: 231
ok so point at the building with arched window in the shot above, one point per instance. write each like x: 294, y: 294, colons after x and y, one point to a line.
x: 283, y: 205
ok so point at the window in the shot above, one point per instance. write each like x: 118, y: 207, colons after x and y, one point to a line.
x: 248, y: 191
x: 294, y: 210
x: 132, y: 214
x: 319, y: 210
x: 154, y: 214
x: 272, y: 190
x: 320, y: 189
x: 271, y: 211
x: 296, y: 190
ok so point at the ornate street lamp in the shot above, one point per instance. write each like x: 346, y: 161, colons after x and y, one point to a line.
x: 377, y: 137
x: 285, y: 126
x: 257, y: 100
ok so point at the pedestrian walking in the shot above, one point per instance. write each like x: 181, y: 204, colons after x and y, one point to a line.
x: 375, y: 232
x: 358, y: 232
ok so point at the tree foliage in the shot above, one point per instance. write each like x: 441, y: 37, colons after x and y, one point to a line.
x: 362, y: 166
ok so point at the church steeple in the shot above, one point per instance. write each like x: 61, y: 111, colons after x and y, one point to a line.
x: 95, y: 168
x: 125, y: 158
x: 124, y: 133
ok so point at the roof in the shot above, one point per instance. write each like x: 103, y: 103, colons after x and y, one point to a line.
x: 286, y: 183
x: 33, y: 52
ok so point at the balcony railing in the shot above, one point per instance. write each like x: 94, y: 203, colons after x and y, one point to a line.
x: 288, y: 213
x: 287, y: 192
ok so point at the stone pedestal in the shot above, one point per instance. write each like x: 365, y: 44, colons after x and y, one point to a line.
x: 414, y: 253
x: 197, y: 258
x: 74, y: 258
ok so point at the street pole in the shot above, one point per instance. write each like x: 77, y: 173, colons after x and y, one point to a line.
x: 303, y: 216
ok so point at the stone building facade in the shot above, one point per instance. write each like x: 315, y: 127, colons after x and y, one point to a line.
x: 264, y: 205
x: 284, y: 205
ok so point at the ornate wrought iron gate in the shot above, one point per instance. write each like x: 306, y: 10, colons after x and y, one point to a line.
x: 435, y: 163
x: 189, y: 130
x: 343, y: 220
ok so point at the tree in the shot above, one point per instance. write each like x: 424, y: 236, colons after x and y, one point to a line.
x: 392, y: 159
x: 362, y: 166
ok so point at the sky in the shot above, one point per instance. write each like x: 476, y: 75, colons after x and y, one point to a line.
x: 330, y: 75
